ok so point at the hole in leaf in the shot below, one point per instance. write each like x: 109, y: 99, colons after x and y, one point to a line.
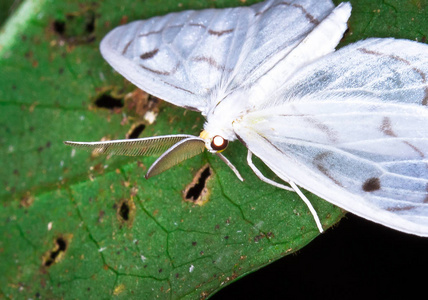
x: 135, y: 131
x: 90, y: 22
x: 124, y: 211
x: 197, y: 191
x: 59, y: 27
x: 53, y: 256
x: 77, y: 27
x: 109, y: 102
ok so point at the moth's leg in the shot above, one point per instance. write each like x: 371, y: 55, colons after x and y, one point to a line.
x: 293, y: 188
x: 308, y: 204
x: 262, y: 177
x: 227, y: 162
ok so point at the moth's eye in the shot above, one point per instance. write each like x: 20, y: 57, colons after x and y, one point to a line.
x: 218, y: 143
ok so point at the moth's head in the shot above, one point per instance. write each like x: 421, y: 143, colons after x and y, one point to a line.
x: 214, y: 142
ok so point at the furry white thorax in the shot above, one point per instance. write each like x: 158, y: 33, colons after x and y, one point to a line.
x: 226, y: 110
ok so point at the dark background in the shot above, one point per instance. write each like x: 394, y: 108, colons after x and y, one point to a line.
x: 357, y: 259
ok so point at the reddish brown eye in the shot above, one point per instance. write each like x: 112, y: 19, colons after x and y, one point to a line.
x: 218, y: 143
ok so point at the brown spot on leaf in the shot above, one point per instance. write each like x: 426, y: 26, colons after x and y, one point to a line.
x: 139, y: 103
x: 101, y: 215
x: 27, y: 200
x: 257, y: 238
x: 123, y: 20
x: 204, y: 295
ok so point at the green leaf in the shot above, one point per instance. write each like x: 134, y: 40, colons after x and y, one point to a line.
x: 78, y: 226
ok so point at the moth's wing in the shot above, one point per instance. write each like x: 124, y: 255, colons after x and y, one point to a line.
x: 353, y: 129
x: 298, y: 35
x: 186, y: 58
x: 133, y: 147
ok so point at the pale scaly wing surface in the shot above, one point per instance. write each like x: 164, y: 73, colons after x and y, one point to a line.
x: 353, y: 129
x: 193, y: 58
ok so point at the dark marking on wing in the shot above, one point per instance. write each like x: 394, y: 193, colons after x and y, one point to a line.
x: 220, y: 33
x: 400, y: 59
x: 166, y: 73
x: 160, y: 30
x: 308, y: 16
x: 269, y: 142
x: 211, y: 61
x: 191, y: 107
x: 150, y: 33
x: 210, y: 31
x: 241, y: 140
x: 371, y: 184
x: 400, y: 208
x: 318, y: 162
x: 416, y: 149
x: 157, y: 72
x: 386, y: 128
x: 331, y: 134
x: 426, y: 195
x: 150, y: 54
x: 197, y: 25
x: 180, y: 88
x: 125, y: 49
x: 220, y: 101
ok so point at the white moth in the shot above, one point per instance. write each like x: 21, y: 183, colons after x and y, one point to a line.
x: 350, y: 126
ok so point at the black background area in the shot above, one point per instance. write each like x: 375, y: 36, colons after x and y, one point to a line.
x: 356, y: 259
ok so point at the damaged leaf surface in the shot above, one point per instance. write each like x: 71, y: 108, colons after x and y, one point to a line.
x: 75, y: 225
